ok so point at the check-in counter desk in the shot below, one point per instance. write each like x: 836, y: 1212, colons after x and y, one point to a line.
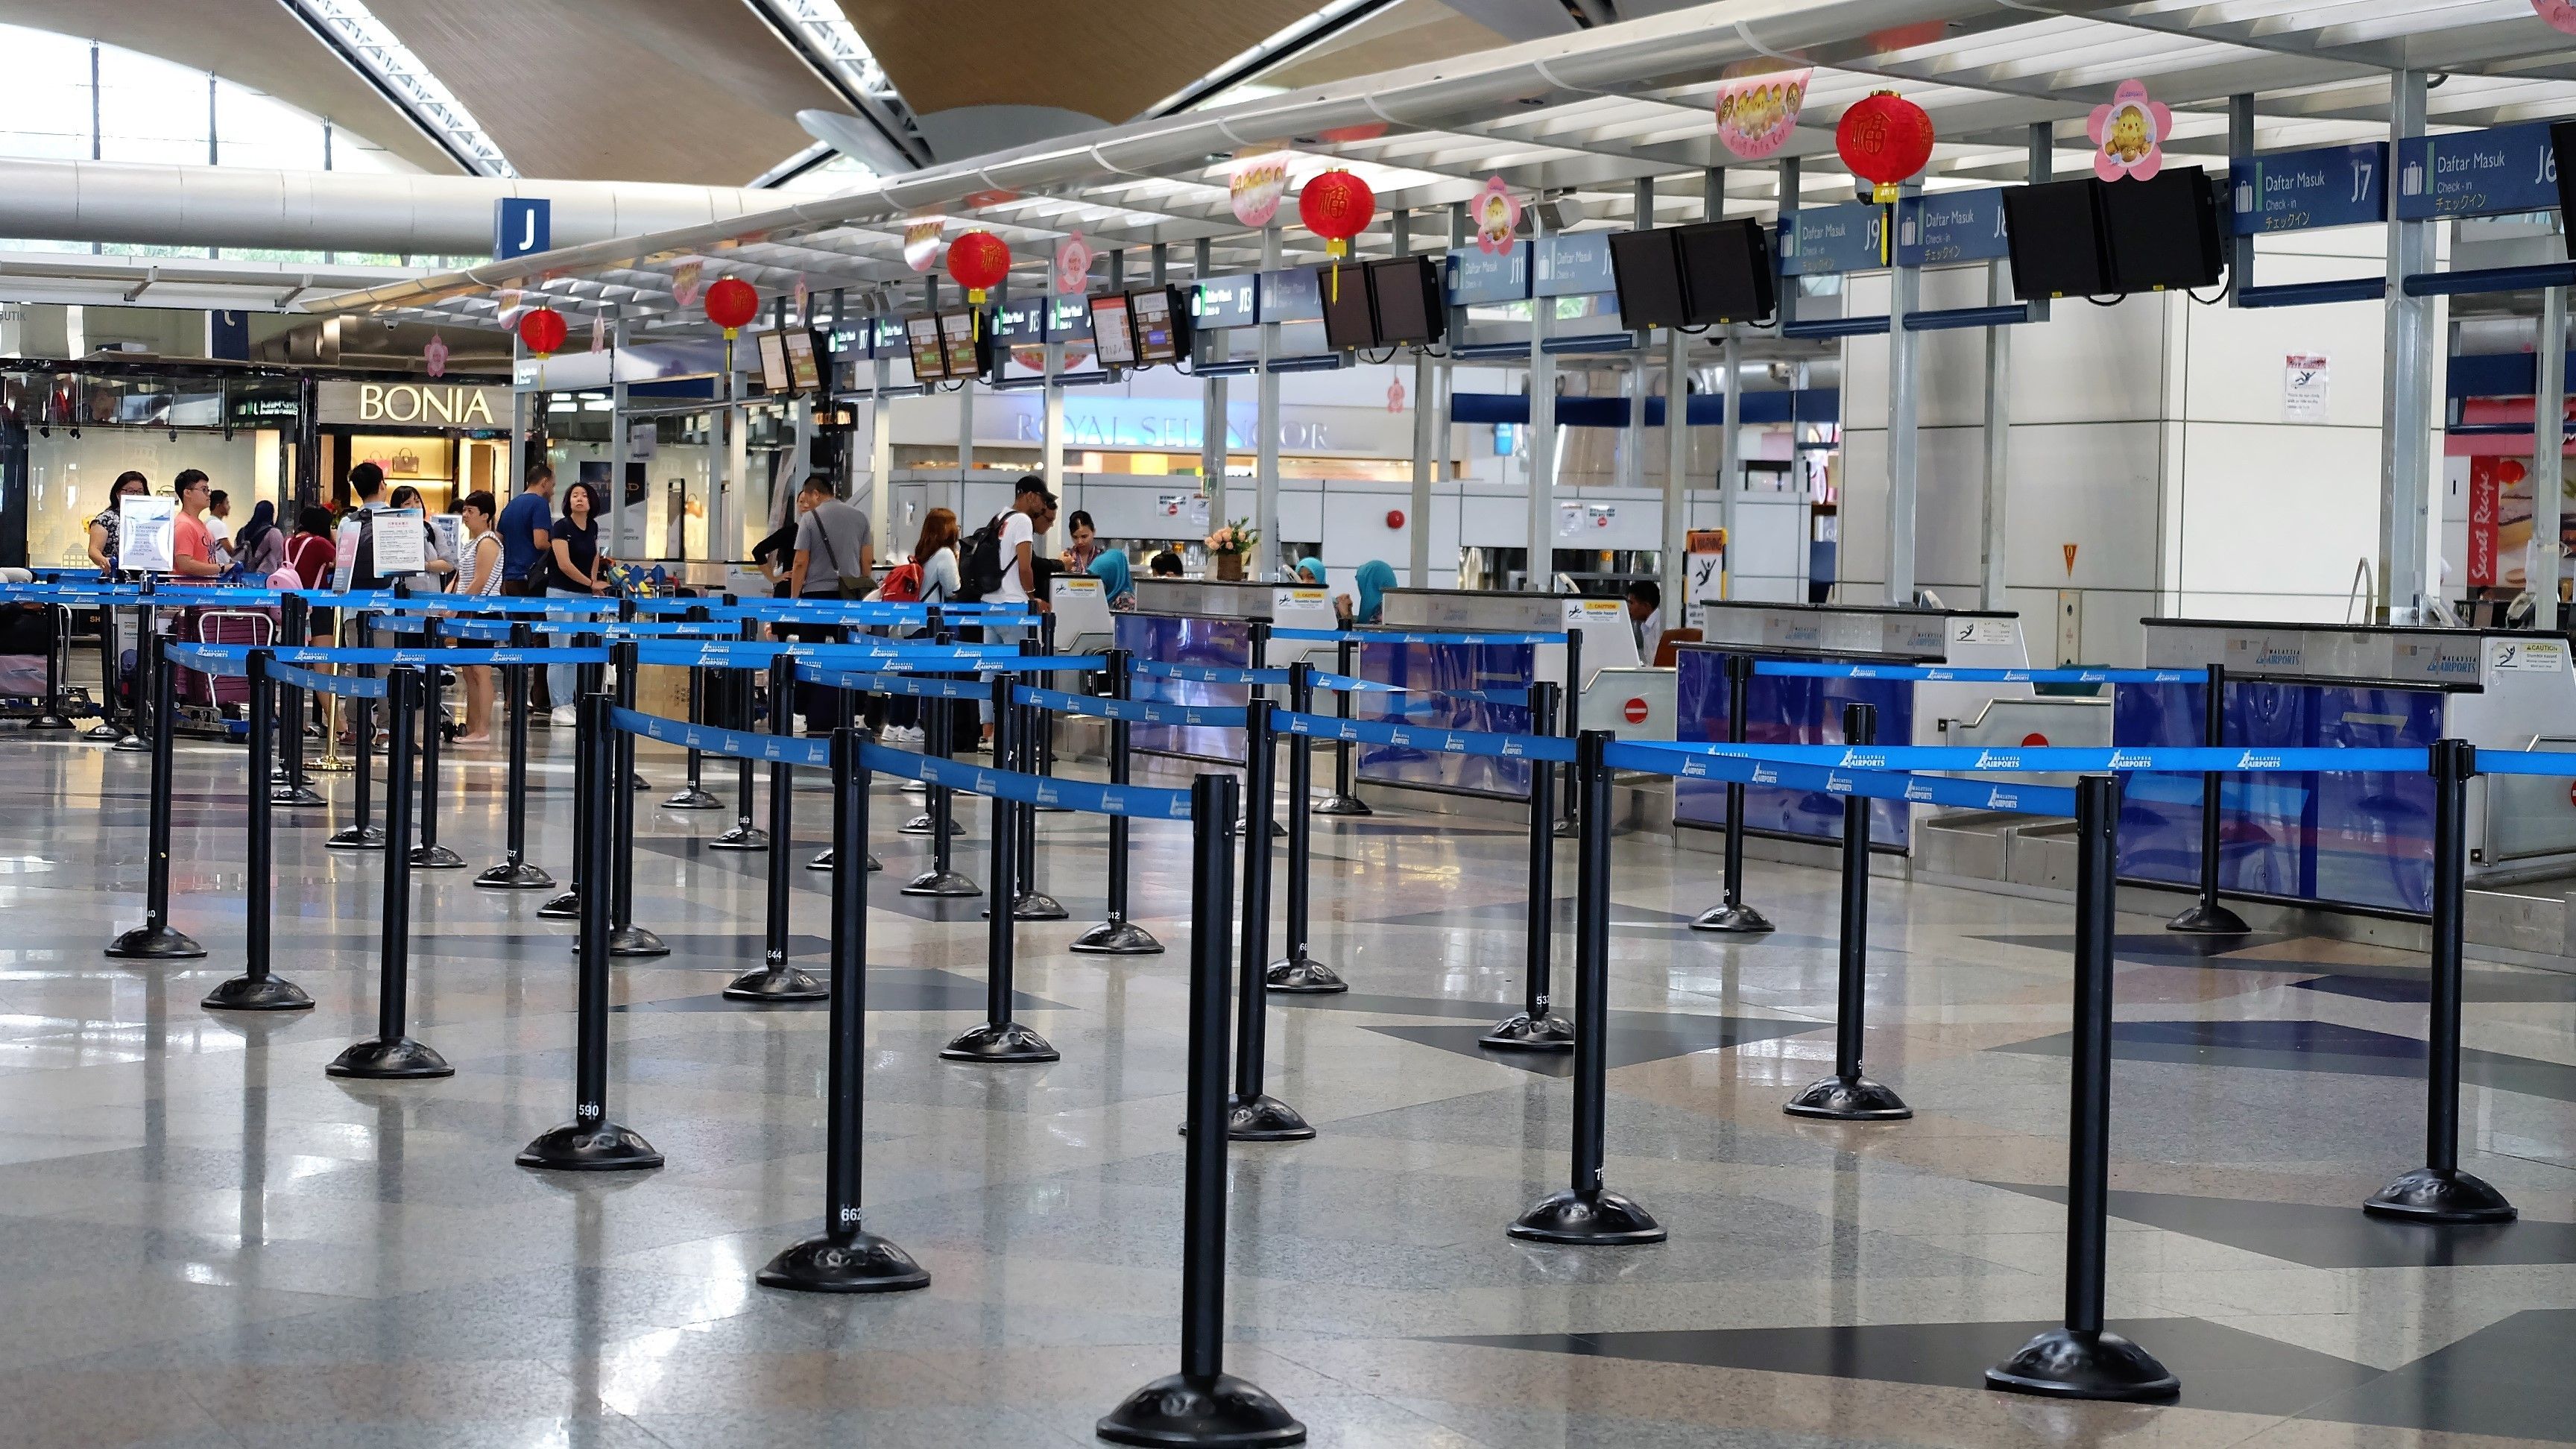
x: 2355, y: 840
x: 1807, y: 711
x: 1209, y: 621
x: 1448, y: 673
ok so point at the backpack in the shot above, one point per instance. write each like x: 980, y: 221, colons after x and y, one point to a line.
x: 979, y: 570
x: 902, y: 584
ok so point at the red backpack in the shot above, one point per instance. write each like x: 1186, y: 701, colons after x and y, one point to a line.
x: 902, y: 584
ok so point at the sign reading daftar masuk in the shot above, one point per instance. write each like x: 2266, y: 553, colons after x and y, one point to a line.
x: 415, y: 404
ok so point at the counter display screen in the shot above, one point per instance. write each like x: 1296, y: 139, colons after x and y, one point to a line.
x: 804, y: 364
x: 1112, y: 333
x: 1158, y: 335
x: 929, y: 363
x: 773, y: 361
x: 957, y: 332
x: 1726, y: 272
x: 1648, y: 272
x: 2163, y: 231
x: 1349, y: 321
x: 2055, y: 229
x: 1408, y: 296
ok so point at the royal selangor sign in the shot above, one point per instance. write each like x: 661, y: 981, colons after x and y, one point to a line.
x: 414, y: 404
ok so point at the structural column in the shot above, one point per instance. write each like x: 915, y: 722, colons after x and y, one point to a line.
x: 1676, y: 543
x: 1998, y: 441
x: 2406, y: 406
x: 617, y: 422
x: 1904, y: 387
x: 2548, y: 457
x: 1266, y: 482
x: 1541, y: 451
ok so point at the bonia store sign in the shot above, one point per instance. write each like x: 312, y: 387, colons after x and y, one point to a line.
x: 1156, y: 425
x: 415, y: 404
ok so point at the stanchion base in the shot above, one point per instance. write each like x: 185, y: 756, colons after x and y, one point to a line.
x: 131, y: 745
x: 638, y: 782
x: 857, y: 1263
x: 155, y: 943
x: 522, y: 876
x: 105, y: 734
x: 1117, y: 938
x: 1263, y: 1119
x: 1601, y: 1219
x: 2065, y: 1364
x: 636, y: 941
x: 939, y: 883
x: 776, y: 983
x: 356, y: 837
x: 920, y: 825
x: 397, y: 1060
x: 576, y: 1148
x: 693, y: 798
x: 1035, y: 906
x: 1735, y: 920
x: 1849, y: 1099
x: 1277, y: 830
x: 1568, y: 830
x: 1304, y: 976
x: 824, y: 861
x: 435, y: 857
x: 1522, y: 1033
x: 266, y: 993
x: 1006, y: 1041
x: 740, y: 838
x: 1220, y: 1413
x: 1340, y: 805
x: 299, y: 796
x: 2438, y: 1195
x: 565, y: 907
x: 49, y: 722
x: 2209, y: 920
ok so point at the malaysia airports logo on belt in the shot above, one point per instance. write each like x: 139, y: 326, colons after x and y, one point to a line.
x: 2120, y: 761
x: 1863, y: 760
x: 1837, y: 784
x: 1765, y: 775
x: 2252, y: 761
x: 1989, y: 760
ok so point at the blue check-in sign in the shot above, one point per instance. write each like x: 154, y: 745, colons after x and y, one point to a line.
x: 521, y: 226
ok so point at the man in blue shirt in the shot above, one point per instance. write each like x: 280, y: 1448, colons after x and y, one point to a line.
x: 524, y: 540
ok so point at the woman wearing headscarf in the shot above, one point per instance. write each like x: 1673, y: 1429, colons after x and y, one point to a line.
x: 260, y: 545
x: 1313, y: 569
x: 1373, y: 580
x: 1117, y: 580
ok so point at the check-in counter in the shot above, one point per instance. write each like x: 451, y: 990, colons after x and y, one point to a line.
x: 1449, y: 676
x: 1209, y: 621
x: 2356, y: 840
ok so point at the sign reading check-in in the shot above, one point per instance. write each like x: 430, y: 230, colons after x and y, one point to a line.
x: 415, y: 404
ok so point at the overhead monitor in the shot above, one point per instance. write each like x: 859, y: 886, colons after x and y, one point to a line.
x: 1113, y: 332
x: 2562, y: 151
x: 1647, y: 270
x: 805, y: 360
x: 962, y: 341
x: 1162, y: 325
x: 773, y: 361
x: 1410, y: 307
x: 2055, y: 231
x: 2163, y: 232
x: 1727, y: 273
x: 929, y: 359
x: 1349, y: 321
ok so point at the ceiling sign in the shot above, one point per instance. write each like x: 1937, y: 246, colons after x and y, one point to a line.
x: 2297, y: 190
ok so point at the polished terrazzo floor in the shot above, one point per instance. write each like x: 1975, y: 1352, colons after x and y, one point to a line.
x: 205, y: 1241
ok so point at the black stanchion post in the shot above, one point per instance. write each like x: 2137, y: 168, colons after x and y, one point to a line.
x: 429, y: 854
x: 775, y: 980
x: 625, y: 938
x: 107, y: 730
x: 2439, y: 1192
x: 516, y: 872
x: 1255, y: 1115
x: 696, y: 796
x: 743, y: 836
x: 1572, y: 711
x: 1848, y: 1096
x: 58, y: 648
x: 1588, y: 1213
x: 295, y: 707
x: 591, y: 1142
x: 1298, y: 972
x: 1203, y: 1404
x: 1256, y: 656
x: 1538, y: 1027
x: 391, y: 1052
x: 847, y: 717
x: 1118, y: 936
x: 147, y: 648
x: 1731, y: 916
x: 1037, y: 741
x: 255, y: 989
x: 360, y: 711
x: 845, y: 1257
x: 2081, y: 1360
x: 2207, y: 917
x: 1029, y: 903
x: 999, y: 1038
x: 1342, y: 801
x: 943, y: 879
x: 156, y: 939
x: 566, y: 906
x: 626, y: 700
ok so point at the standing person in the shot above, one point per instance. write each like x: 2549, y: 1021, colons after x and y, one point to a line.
x: 437, y: 568
x: 103, y: 526
x: 192, y: 553
x: 526, y: 544
x: 478, y: 574
x: 575, y: 572
x: 1166, y: 565
x: 219, y: 527
x: 1086, y: 541
x: 260, y: 547
x: 999, y: 564
x: 309, y: 553
x: 934, y: 556
x: 357, y: 536
x: 1646, y: 614
x: 1372, y: 579
x: 836, y: 554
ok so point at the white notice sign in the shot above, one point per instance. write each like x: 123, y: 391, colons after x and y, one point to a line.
x: 402, y: 542
x: 2304, y: 384
x: 147, y: 531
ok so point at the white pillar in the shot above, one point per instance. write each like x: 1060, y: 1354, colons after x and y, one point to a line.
x: 2548, y: 457
x: 1541, y: 452
x: 1998, y: 440
x: 1904, y: 357
x: 1051, y: 442
x: 518, y: 424
x: 1676, y: 544
x: 881, y: 462
x: 617, y: 441
x: 965, y: 452
x: 1730, y: 449
x: 724, y: 536
x: 2406, y: 406
x: 1265, y: 521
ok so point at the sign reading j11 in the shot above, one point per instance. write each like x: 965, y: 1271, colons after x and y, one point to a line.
x: 2477, y: 173
x: 1836, y: 239
x: 1951, y: 226
x: 2296, y: 190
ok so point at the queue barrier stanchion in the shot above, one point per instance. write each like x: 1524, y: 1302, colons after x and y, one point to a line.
x: 1588, y: 1213
x: 1203, y: 1404
x: 1028, y: 756
x: 255, y: 989
x: 156, y: 939
x: 429, y: 854
x: 1571, y: 710
x: 829, y: 856
x: 936, y: 816
x: 591, y: 1141
x: 392, y: 1054
x: 1731, y: 916
x: 55, y: 716
x: 566, y: 905
x: 775, y: 980
x: 1297, y: 972
x: 2438, y: 1191
x: 999, y: 1038
x: 1254, y: 1115
x: 1118, y: 935
x: 938, y: 634
x: 625, y: 938
x: 1041, y: 748
x: 1847, y: 1095
x: 516, y: 872
x: 294, y: 712
x: 743, y: 835
x: 107, y: 731
x: 2082, y: 1360
x: 625, y: 690
x: 845, y: 1257
x: 360, y: 712
x: 1256, y: 660
x: 695, y: 795
x: 940, y: 823
x: 1537, y: 1027
x: 1342, y: 801
x: 145, y: 678
x: 2206, y: 917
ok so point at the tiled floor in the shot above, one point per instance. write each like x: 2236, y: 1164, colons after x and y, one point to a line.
x: 205, y: 1241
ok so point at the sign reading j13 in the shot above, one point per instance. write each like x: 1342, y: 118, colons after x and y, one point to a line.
x: 2297, y: 190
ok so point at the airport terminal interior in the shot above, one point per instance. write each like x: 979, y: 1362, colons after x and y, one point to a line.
x: 1481, y: 724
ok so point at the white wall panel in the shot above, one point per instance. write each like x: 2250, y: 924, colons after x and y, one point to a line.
x: 2237, y: 357
x: 2271, y: 510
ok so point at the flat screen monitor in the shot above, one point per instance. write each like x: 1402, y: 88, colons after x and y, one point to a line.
x: 2163, y: 231
x: 962, y: 343
x: 2055, y: 232
x: 1410, y: 307
x: 1647, y: 270
x: 1349, y: 320
x: 805, y: 354
x: 1162, y: 325
x: 773, y: 362
x: 1727, y: 275
x: 929, y: 359
x: 1113, y: 332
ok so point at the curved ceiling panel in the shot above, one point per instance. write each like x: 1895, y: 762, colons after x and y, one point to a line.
x: 1103, y: 59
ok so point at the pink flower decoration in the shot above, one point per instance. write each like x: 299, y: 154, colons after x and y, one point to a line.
x: 2129, y: 133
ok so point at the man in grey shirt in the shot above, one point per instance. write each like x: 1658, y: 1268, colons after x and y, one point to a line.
x: 835, y: 554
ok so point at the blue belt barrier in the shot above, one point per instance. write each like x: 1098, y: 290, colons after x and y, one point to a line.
x: 1210, y: 673
x: 737, y: 744
x: 2547, y: 764
x: 1872, y: 784
x: 2061, y: 759
x: 236, y: 653
x: 1420, y: 737
x: 1398, y: 636
x: 1137, y: 802
x: 1350, y: 685
x: 1805, y: 669
x: 756, y: 654
x: 1135, y: 711
x: 916, y: 686
x: 347, y: 686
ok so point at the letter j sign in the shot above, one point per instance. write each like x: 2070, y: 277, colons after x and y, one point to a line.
x: 521, y: 225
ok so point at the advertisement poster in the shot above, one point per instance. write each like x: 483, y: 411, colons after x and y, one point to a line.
x: 2305, y: 382
x: 921, y: 243
x: 1073, y: 266
x: 2508, y: 482
x: 684, y: 282
x: 147, y: 533
x: 1757, y: 110
x: 2129, y: 134
x: 1498, y: 216
x: 1256, y: 181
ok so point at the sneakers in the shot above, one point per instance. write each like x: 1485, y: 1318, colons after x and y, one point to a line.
x: 903, y: 734
x: 564, y: 716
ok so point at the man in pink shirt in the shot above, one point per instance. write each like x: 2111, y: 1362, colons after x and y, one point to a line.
x: 191, y: 550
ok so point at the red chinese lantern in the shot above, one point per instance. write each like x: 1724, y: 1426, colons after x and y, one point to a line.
x: 542, y: 329
x: 979, y: 261
x: 1884, y: 140
x: 731, y: 303
x: 1336, y: 206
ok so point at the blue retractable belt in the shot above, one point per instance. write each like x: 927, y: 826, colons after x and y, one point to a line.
x: 1871, y: 784
x: 1422, y: 737
x: 1210, y: 673
x: 2058, y: 759
x: 1805, y: 669
x: 1135, y: 711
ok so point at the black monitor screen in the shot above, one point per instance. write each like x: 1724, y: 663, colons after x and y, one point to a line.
x: 806, y: 356
x: 1649, y: 277
x: 2562, y: 146
x: 929, y: 359
x: 1726, y: 271
x: 1409, y: 305
x: 1159, y: 326
x: 2055, y: 232
x: 965, y: 343
x: 773, y: 362
x: 1112, y: 335
x: 2163, y: 232
x: 1349, y: 321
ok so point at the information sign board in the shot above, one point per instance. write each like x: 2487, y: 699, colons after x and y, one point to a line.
x: 2299, y: 190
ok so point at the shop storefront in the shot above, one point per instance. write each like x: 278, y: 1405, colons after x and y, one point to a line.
x: 446, y: 438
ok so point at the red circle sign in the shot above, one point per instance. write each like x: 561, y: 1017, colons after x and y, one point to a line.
x: 1635, y: 710
x: 2034, y: 740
